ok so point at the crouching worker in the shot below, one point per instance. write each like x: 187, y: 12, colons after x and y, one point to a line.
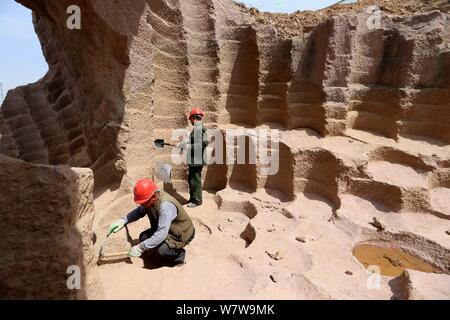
x: 171, y: 227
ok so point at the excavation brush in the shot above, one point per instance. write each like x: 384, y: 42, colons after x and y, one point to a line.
x: 112, y: 257
x: 113, y: 249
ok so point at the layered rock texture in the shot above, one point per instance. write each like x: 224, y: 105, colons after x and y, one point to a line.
x: 364, y: 115
x: 47, y: 216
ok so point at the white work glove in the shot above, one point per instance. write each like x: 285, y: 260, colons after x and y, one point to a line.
x: 135, y: 251
x: 182, y: 143
x: 116, y: 226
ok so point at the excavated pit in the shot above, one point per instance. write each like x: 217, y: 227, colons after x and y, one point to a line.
x: 392, y: 262
x: 364, y: 122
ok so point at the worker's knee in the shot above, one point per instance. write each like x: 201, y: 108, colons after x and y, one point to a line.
x: 164, y: 250
x: 174, y: 255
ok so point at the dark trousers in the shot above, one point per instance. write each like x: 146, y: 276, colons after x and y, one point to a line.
x: 172, y: 255
x: 195, y: 184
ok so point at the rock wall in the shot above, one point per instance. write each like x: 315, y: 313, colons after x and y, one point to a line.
x: 73, y: 115
x: 363, y: 114
x: 134, y: 70
x: 46, y: 217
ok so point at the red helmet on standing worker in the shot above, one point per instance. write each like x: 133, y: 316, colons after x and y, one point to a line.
x: 143, y: 190
x: 196, y: 112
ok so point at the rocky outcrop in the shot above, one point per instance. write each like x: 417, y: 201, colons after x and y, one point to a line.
x: 421, y: 286
x: 124, y: 79
x: 47, y: 214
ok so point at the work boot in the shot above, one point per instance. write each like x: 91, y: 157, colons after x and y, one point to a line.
x: 180, y: 260
x: 193, y: 205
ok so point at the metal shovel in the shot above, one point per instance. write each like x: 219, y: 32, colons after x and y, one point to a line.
x: 160, y: 143
x: 163, y: 172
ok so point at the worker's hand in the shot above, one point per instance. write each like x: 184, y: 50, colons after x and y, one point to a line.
x: 181, y: 145
x: 135, y: 251
x: 116, y: 226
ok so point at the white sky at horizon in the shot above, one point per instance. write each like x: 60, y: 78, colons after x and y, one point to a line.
x: 288, y: 6
x: 21, y: 58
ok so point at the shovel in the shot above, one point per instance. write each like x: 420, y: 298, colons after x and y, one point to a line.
x: 160, y: 143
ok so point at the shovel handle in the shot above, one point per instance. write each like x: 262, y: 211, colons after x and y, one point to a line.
x: 115, y: 255
x: 160, y: 143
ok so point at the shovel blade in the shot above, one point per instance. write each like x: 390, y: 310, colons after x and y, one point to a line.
x: 159, y: 143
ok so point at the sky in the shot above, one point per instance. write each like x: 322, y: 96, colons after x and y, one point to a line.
x: 21, y: 59
x: 288, y: 6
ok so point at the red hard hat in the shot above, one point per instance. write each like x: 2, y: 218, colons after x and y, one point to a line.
x: 196, y: 112
x: 144, y: 190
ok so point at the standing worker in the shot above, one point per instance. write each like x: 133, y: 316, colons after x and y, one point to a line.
x: 196, y: 146
x: 171, y: 227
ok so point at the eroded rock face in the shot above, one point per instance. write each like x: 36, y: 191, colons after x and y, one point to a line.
x: 47, y: 214
x: 422, y: 286
x: 134, y: 70
x: 364, y: 116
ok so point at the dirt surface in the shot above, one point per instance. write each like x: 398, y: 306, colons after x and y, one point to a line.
x: 421, y: 286
x: 300, y: 22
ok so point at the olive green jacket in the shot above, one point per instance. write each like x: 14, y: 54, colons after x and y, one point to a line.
x: 198, y: 141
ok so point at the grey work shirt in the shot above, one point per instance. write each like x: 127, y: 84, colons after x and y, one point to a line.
x: 168, y: 212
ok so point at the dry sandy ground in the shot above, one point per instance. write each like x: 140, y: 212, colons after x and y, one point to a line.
x: 380, y: 98
x: 254, y: 246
